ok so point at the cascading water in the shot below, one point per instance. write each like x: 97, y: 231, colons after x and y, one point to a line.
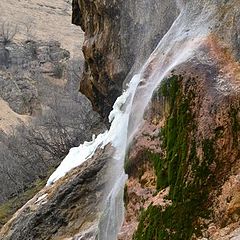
x: 113, y: 214
x: 126, y: 118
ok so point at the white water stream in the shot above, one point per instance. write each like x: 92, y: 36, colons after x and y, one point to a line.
x: 127, y: 117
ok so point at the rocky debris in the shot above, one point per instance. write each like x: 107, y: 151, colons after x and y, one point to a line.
x: 119, y: 37
x: 69, y: 209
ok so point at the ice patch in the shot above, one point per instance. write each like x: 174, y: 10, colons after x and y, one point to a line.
x: 117, y: 136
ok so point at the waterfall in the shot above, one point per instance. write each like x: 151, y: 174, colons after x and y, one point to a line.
x: 127, y: 117
x: 116, y: 135
x: 113, y: 213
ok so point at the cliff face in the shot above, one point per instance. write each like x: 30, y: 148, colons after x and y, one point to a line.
x: 184, y: 162
x: 67, y: 210
x: 119, y: 37
x: 40, y: 103
x: 184, y: 166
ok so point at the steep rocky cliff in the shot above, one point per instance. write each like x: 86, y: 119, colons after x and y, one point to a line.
x: 67, y: 210
x: 42, y: 113
x: 184, y: 161
x: 119, y: 37
x: 192, y: 143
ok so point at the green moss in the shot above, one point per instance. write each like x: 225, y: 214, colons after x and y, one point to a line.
x: 158, y: 163
x: 11, y: 206
x: 152, y: 231
x: 189, y: 177
x: 128, y: 166
x: 125, y: 197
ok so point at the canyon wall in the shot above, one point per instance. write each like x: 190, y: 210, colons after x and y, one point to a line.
x: 119, y: 37
x: 183, y: 165
x: 199, y: 149
x: 184, y: 162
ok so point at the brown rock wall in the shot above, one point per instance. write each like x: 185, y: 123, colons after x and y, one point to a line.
x: 119, y: 37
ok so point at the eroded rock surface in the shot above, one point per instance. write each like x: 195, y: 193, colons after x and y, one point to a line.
x: 195, y: 113
x: 119, y: 37
x: 184, y: 162
x: 67, y: 210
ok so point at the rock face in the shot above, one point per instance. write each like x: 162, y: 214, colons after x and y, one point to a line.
x: 194, y: 119
x: 21, y: 71
x: 184, y: 162
x: 198, y: 163
x: 67, y: 210
x: 42, y: 112
x: 119, y: 37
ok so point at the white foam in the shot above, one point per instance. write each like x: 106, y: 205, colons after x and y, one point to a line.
x: 117, y: 136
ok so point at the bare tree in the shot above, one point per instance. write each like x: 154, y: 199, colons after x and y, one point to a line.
x: 29, y: 152
x: 8, y: 31
x: 30, y: 32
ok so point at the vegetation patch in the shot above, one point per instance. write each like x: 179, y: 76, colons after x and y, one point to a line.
x: 187, y: 174
x: 11, y: 206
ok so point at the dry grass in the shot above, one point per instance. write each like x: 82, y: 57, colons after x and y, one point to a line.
x: 8, y: 118
x: 50, y: 20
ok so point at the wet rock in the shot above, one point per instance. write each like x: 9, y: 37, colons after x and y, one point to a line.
x: 119, y: 37
x: 198, y: 120
x: 184, y: 161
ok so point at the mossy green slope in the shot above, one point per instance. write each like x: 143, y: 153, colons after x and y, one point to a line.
x: 189, y: 177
